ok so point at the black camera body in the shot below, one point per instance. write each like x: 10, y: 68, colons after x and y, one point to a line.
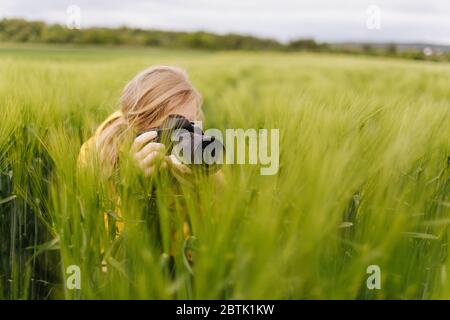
x: 189, y: 144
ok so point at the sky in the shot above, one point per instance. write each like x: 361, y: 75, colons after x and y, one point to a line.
x: 400, y: 21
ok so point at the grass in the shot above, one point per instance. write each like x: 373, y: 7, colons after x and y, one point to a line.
x: 364, y: 180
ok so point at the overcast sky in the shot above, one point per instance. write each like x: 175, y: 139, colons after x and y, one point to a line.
x: 323, y: 20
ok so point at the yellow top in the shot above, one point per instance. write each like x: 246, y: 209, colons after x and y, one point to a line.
x: 88, y: 148
x: 87, y: 151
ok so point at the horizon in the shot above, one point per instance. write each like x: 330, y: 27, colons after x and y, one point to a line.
x: 339, y: 42
x: 377, y: 22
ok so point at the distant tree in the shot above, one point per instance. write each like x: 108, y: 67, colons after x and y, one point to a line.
x: 304, y: 44
x: 55, y: 34
x: 368, y: 49
x: 391, y: 49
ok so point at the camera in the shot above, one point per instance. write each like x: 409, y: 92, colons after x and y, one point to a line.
x: 189, y: 144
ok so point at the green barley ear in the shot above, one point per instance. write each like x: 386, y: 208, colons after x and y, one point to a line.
x: 189, y: 249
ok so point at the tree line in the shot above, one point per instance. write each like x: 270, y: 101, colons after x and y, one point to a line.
x: 20, y: 30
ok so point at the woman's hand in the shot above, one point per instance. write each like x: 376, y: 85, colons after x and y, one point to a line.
x: 149, y: 155
x: 179, y: 170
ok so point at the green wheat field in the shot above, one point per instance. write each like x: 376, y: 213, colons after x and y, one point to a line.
x: 364, y: 179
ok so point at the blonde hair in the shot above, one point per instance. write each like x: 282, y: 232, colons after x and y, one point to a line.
x: 148, y: 98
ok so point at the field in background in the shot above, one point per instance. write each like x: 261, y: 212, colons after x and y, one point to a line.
x: 364, y: 180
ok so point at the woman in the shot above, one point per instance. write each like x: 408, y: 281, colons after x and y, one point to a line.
x: 147, y: 100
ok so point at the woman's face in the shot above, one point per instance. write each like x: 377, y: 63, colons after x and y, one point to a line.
x: 188, y: 110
